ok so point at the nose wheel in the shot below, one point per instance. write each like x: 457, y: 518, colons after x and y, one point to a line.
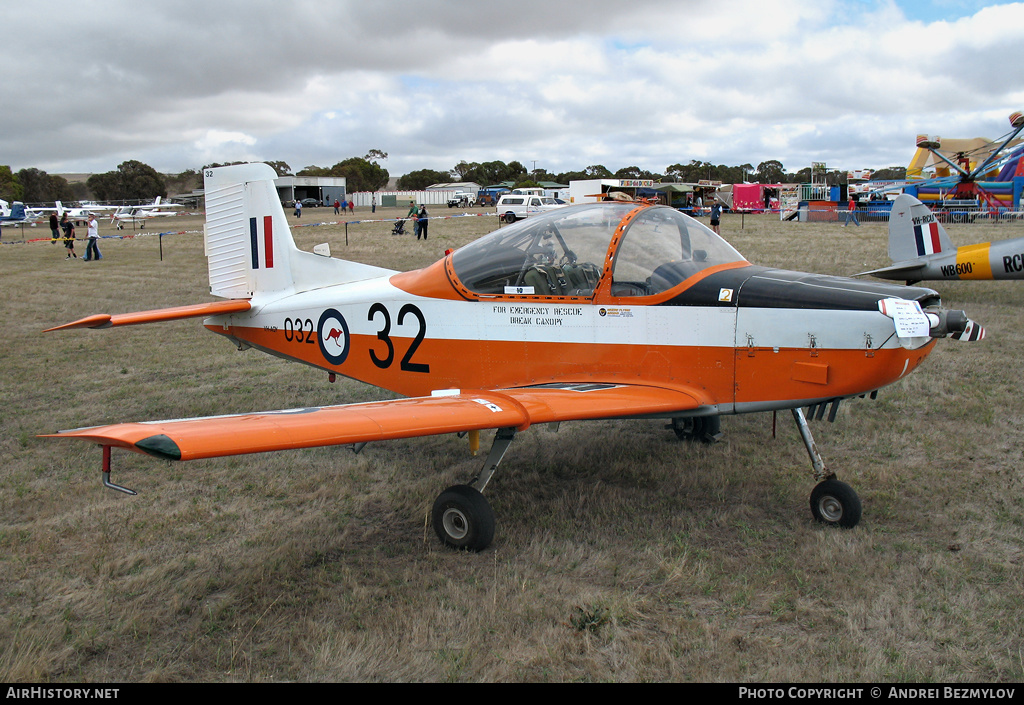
x: 832, y: 502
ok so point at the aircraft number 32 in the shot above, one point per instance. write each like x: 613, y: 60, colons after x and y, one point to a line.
x: 379, y: 313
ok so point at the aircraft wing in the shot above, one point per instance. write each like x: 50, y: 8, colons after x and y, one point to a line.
x: 447, y: 411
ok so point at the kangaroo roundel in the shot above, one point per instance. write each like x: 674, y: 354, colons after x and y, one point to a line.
x: 332, y: 336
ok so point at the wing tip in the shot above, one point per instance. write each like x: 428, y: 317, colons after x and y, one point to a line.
x: 160, y: 446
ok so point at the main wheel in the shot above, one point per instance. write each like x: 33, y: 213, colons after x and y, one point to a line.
x: 703, y: 429
x: 834, y: 502
x: 463, y: 518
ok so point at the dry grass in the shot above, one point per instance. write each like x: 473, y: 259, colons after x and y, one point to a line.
x: 621, y: 555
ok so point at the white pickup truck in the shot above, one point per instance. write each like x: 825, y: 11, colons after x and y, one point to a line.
x: 513, y: 206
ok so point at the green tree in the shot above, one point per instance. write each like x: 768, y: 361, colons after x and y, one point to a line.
x: 635, y: 172
x: 360, y: 174
x: 597, y: 171
x: 419, y: 180
x: 10, y: 188
x: 281, y: 168
x: 771, y: 172
x: 463, y: 169
x: 38, y: 186
x: 132, y: 181
x: 892, y: 172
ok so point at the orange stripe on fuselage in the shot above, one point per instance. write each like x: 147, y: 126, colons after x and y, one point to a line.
x: 720, y: 375
x: 973, y: 262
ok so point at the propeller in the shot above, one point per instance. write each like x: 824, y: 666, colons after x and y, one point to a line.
x: 973, y: 331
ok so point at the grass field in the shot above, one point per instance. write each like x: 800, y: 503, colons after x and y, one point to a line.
x: 621, y: 554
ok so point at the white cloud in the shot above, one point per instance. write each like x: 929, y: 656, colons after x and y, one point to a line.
x: 651, y: 83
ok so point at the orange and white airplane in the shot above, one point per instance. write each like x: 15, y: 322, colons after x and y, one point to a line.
x: 603, y: 310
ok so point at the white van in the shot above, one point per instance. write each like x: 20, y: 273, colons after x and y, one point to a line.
x: 513, y: 206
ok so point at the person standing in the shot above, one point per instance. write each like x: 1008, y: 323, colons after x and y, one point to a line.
x: 92, y: 250
x: 716, y: 218
x: 69, y: 236
x: 298, y: 208
x: 337, y: 205
x: 54, y: 228
x: 421, y: 222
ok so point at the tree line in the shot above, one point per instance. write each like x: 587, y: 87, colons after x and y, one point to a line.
x: 133, y: 180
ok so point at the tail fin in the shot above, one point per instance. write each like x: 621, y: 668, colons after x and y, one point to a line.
x: 249, y: 246
x: 914, y: 231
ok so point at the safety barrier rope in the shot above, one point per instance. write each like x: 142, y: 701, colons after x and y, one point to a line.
x: 139, y: 233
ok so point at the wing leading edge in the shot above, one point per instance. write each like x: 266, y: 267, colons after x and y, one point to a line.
x: 449, y: 411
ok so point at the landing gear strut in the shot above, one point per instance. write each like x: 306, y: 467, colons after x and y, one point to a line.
x: 462, y: 516
x: 832, y: 502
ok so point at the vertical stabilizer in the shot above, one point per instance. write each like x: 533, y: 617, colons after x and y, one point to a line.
x: 249, y: 246
x: 914, y: 231
x: 244, y: 254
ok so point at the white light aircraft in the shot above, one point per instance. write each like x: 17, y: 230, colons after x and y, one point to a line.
x: 142, y: 213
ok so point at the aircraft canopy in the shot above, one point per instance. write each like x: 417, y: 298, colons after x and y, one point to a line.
x: 644, y: 250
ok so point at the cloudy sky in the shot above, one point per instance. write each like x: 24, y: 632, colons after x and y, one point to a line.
x: 558, y: 84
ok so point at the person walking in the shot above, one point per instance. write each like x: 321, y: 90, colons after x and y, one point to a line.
x: 851, y: 213
x: 69, y: 236
x: 716, y: 218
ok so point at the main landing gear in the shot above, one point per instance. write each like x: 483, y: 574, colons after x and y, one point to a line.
x: 832, y: 502
x: 462, y: 516
x: 701, y: 429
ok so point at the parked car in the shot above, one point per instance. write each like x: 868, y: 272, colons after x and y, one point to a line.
x: 461, y: 199
x: 513, y: 206
x: 311, y: 203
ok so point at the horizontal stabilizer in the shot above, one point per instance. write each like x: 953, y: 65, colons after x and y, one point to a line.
x: 105, y: 320
x: 906, y: 272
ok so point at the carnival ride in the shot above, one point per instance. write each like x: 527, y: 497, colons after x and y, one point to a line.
x: 987, y: 172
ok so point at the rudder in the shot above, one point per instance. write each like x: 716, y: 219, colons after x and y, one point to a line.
x: 249, y: 246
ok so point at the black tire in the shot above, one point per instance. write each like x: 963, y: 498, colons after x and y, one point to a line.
x: 510, y: 218
x: 836, y: 504
x: 698, y: 429
x: 463, y: 518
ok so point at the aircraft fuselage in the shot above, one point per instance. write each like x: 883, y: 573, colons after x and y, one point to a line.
x: 746, y: 339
